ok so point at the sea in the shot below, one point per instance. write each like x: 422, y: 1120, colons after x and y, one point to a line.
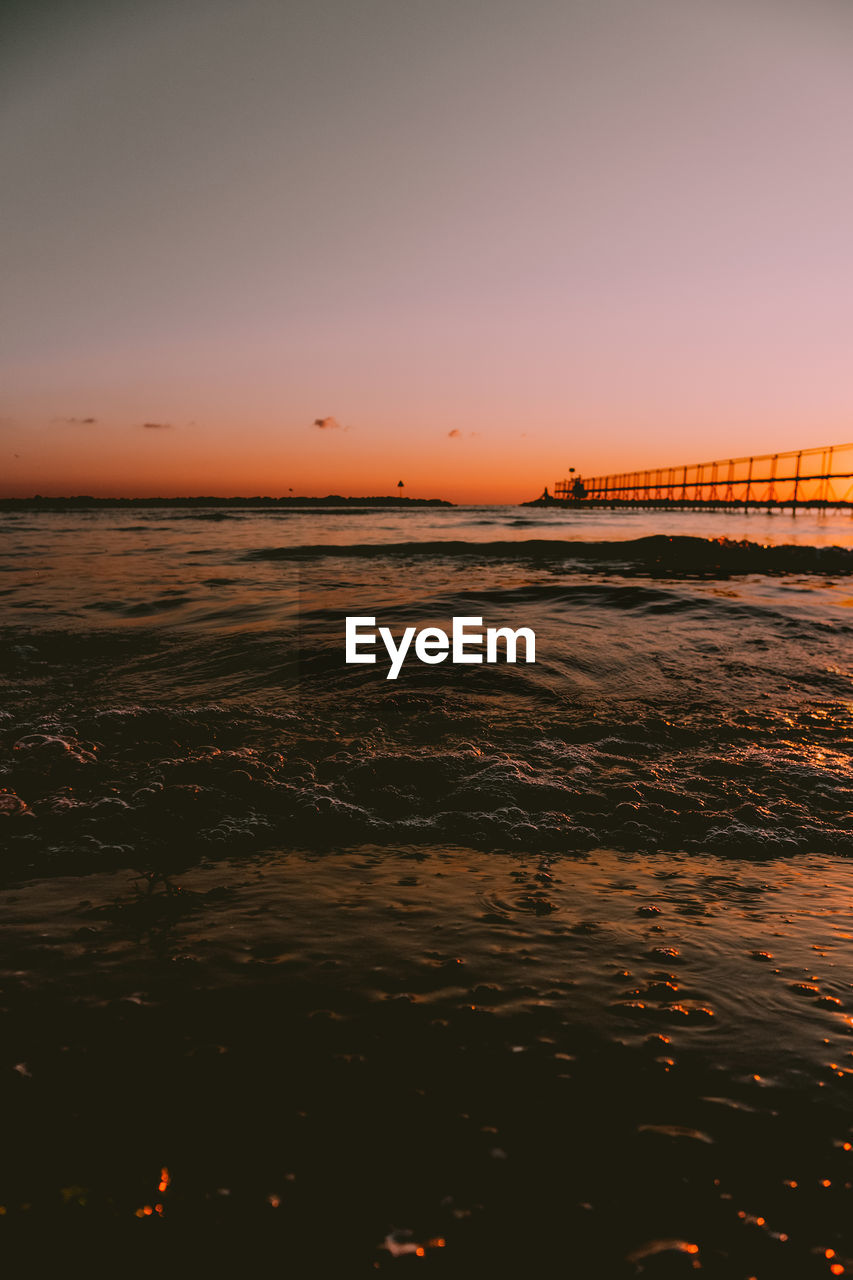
x: 490, y: 969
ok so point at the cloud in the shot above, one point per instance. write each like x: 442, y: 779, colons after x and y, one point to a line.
x: 156, y: 426
x: 454, y: 434
x: 78, y: 422
x: 329, y: 424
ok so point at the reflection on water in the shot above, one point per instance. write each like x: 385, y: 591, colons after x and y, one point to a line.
x: 104, y: 568
x: 618, y: 944
x: 495, y: 970
x: 420, y: 1031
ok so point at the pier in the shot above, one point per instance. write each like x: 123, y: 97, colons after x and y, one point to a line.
x: 820, y: 477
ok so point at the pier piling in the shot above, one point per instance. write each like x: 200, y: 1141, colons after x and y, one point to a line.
x: 819, y: 477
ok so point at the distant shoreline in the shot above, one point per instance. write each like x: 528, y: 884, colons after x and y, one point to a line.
x: 85, y: 502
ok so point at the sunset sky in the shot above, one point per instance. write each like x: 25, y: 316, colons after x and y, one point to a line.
x: 281, y: 244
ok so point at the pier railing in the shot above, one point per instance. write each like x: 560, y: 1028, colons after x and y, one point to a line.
x: 822, y: 477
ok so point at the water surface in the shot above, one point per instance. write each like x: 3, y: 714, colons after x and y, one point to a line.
x: 543, y: 965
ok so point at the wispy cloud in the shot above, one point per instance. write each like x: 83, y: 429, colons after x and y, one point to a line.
x: 156, y: 426
x: 454, y: 434
x: 329, y: 424
x: 77, y: 422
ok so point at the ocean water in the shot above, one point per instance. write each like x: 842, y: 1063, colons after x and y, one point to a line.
x: 523, y: 966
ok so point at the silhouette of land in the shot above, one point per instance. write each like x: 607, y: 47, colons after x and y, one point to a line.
x: 86, y: 502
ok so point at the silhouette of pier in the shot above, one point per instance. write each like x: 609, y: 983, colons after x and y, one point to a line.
x: 821, y: 477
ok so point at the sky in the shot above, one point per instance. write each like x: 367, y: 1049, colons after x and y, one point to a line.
x: 275, y: 245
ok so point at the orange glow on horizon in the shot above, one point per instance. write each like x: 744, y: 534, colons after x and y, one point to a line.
x: 501, y: 464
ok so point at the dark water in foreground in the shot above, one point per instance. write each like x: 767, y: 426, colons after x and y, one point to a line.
x: 549, y: 963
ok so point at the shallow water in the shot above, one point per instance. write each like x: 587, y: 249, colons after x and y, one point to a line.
x: 549, y: 962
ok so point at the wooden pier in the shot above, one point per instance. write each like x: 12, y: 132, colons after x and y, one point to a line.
x: 821, y: 477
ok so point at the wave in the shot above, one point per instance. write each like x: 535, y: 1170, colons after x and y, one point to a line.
x: 149, y: 785
x: 657, y: 553
x: 213, y: 516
